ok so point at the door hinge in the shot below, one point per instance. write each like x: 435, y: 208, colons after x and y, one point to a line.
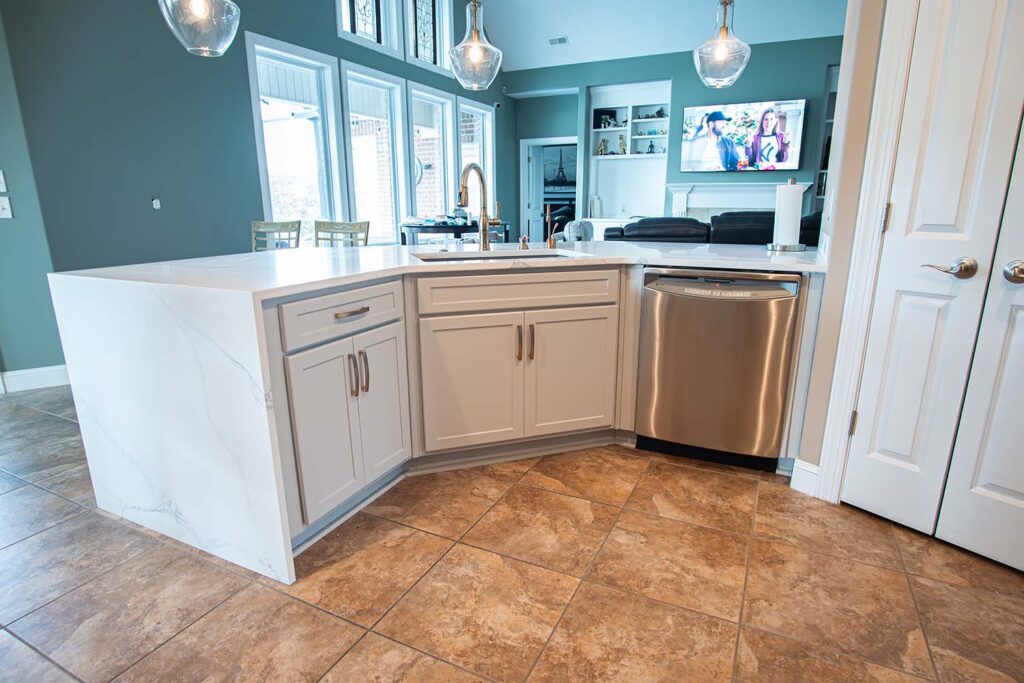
x: 886, y: 212
x: 529, y: 160
x: 853, y: 422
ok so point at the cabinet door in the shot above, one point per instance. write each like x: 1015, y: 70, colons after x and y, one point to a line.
x: 570, y: 369
x: 321, y: 387
x: 383, y: 399
x: 472, y: 369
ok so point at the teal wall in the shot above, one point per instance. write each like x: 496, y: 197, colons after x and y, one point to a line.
x: 28, y: 332
x: 546, y: 117
x: 116, y: 111
x: 787, y: 70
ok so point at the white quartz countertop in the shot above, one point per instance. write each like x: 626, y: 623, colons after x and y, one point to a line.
x: 285, y: 272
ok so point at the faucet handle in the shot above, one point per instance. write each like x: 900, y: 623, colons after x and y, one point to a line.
x: 496, y: 220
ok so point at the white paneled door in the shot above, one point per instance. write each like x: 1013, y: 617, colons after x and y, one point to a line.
x: 959, y: 126
x: 983, y: 503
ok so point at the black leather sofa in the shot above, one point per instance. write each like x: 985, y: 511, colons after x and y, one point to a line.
x: 669, y: 229
x: 732, y: 227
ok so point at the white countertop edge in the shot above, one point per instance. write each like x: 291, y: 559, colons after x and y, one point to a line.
x: 288, y: 272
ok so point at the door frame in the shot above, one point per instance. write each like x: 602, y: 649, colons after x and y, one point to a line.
x: 524, y: 175
x: 900, y: 22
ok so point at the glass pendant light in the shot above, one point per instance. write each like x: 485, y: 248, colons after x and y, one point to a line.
x: 475, y: 61
x: 205, y: 27
x: 722, y: 59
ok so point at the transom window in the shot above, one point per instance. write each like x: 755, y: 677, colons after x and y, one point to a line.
x: 425, y: 39
x: 366, y: 19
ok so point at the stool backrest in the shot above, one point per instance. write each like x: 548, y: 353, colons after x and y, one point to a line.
x: 335, y: 233
x: 267, y: 236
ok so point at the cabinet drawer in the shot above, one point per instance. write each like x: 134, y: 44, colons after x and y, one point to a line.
x: 517, y: 291
x: 312, y: 321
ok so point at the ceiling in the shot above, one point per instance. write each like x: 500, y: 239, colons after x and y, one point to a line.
x: 612, y: 29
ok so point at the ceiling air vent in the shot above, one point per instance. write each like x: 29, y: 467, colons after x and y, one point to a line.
x: 558, y: 40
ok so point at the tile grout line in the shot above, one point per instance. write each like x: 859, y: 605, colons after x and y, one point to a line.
x: 913, y: 598
x: 33, y: 648
x: 583, y: 575
x: 746, y: 580
x: 52, y: 526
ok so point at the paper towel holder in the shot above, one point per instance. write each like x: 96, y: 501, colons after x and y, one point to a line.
x: 787, y: 247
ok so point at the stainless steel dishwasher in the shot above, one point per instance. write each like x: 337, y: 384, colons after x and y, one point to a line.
x: 716, y: 358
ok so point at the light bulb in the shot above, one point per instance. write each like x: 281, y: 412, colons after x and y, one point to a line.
x: 475, y: 54
x: 721, y: 51
x: 200, y: 9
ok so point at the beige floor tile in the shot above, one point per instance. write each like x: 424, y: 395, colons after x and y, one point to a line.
x: 605, y: 475
x: 74, y: 484
x: 860, y: 609
x: 21, y: 426
x: 364, y: 566
x: 704, y: 465
x: 767, y: 657
x: 376, y: 659
x: 56, y: 400
x: 787, y: 515
x: 29, y: 510
x: 19, y: 663
x: 256, y: 635
x: 9, y: 482
x: 926, y: 556
x: 482, y: 611
x: 675, y: 562
x: 511, y: 470
x: 975, y: 634
x: 37, y: 461
x: 703, y: 497
x: 53, y: 562
x: 98, y: 630
x: 555, y: 531
x: 608, y: 635
x: 445, y: 503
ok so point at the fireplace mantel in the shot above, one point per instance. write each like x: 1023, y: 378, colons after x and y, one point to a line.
x: 732, y: 196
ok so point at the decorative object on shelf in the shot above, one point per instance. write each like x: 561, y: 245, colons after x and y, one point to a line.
x: 789, y: 200
x: 595, y: 206
x: 475, y: 61
x: 650, y: 148
x: 622, y: 144
x: 204, y: 27
x: 660, y: 114
x: 602, y: 149
x: 722, y: 59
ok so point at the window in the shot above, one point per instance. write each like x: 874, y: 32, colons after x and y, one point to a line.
x: 430, y: 33
x: 374, y: 103
x: 433, y: 151
x: 295, y: 103
x: 372, y: 23
x: 476, y: 145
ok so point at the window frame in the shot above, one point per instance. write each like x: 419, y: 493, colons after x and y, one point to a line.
x: 257, y: 45
x: 489, y: 167
x: 400, y: 173
x: 391, y: 28
x: 444, y: 23
x: 451, y: 170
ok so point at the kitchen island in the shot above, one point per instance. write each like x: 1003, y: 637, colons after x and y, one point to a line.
x: 246, y: 404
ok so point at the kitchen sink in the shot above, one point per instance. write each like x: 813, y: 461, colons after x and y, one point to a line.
x: 520, y: 254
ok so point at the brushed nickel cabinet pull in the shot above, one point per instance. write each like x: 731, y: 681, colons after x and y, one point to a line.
x: 519, y: 342
x: 366, y: 370
x: 352, y: 313
x: 533, y: 342
x: 353, y: 375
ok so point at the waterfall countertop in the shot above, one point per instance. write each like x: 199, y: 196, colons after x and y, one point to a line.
x: 286, y: 272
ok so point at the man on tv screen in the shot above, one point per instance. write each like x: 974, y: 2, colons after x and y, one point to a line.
x: 720, y: 153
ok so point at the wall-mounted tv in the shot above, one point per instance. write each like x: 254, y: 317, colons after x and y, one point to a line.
x: 753, y: 136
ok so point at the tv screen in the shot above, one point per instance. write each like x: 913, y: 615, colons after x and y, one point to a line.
x: 754, y: 136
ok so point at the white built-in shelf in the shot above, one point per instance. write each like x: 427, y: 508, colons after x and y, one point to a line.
x: 607, y: 157
x: 662, y: 120
x: 610, y: 130
x: 648, y: 137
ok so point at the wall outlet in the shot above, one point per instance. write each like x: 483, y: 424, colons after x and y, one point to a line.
x: 3, y: 182
x: 5, y: 208
x: 156, y: 204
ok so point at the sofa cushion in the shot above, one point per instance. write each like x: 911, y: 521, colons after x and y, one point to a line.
x: 667, y: 229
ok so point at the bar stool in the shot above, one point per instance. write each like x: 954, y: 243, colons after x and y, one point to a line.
x: 267, y: 236
x: 335, y: 233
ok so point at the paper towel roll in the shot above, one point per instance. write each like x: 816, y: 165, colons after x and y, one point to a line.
x: 789, y: 200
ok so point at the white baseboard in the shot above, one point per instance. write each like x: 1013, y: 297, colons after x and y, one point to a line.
x: 33, y: 378
x: 805, y: 478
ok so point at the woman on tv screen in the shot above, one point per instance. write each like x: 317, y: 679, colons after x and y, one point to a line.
x: 769, y: 145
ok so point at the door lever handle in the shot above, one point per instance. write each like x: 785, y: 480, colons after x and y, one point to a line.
x: 1014, y: 272
x: 962, y: 268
